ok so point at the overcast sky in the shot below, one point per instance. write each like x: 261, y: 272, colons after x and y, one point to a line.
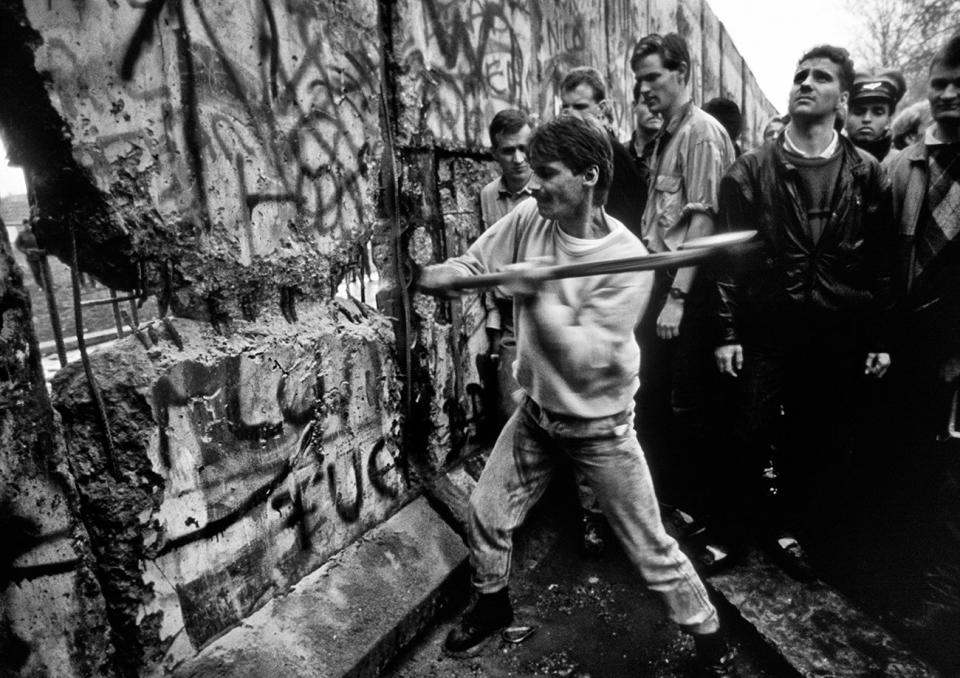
x: 770, y: 34
x: 773, y: 34
x: 11, y: 178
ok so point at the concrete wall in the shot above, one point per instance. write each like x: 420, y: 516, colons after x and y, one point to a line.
x: 272, y: 172
x: 53, y: 620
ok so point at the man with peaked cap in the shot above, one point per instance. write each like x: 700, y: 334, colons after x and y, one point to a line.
x: 873, y: 100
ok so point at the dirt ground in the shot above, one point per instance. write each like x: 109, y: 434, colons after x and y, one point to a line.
x: 593, y: 618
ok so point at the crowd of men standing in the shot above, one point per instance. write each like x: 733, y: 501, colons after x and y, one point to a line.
x: 765, y: 384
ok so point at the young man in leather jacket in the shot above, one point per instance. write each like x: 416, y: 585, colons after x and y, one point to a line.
x: 804, y: 325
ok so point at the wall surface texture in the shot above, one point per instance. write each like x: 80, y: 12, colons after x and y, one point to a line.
x: 273, y: 173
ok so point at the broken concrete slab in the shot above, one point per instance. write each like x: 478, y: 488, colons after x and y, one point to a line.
x: 815, y: 628
x: 352, y: 615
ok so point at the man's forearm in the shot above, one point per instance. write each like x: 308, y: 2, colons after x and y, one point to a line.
x: 701, y: 224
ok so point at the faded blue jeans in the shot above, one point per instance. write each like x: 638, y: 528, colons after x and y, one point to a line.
x: 606, y: 452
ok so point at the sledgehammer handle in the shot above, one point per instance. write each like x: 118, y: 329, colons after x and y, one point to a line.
x: 646, y: 262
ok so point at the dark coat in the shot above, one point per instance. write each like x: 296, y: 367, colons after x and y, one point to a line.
x: 845, y: 275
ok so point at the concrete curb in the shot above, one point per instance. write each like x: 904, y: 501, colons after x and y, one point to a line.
x: 353, y: 615
x: 812, y: 627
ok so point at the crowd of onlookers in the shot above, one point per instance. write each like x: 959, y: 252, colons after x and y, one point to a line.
x: 800, y: 396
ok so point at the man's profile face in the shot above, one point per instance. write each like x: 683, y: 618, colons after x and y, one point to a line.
x: 660, y: 87
x: 816, y: 92
x: 646, y: 119
x: 581, y: 101
x: 772, y: 131
x: 560, y: 194
x: 868, y: 120
x: 943, y: 91
x: 510, y: 153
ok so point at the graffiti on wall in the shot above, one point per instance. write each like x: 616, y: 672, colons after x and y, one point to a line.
x: 256, y: 122
x: 463, y: 61
x: 271, y: 464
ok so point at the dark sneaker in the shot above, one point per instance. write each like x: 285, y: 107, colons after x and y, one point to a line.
x: 715, y: 659
x: 490, y: 613
x: 593, y: 533
x: 793, y: 559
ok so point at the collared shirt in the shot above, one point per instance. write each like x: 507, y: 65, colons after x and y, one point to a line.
x: 690, y: 156
x: 825, y: 153
x: 930, y: 137
x: 496, y: 200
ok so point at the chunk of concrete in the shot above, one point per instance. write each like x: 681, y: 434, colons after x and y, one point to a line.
x: 816, y: 629
x: 350, y: 617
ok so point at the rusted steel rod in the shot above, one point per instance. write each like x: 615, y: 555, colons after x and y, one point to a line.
x: 107, y: 300
x: 46, y: 275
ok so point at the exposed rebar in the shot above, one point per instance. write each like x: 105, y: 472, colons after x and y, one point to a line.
x: 95, y: 396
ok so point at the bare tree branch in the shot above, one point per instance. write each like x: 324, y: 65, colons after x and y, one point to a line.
x: 903, y: 34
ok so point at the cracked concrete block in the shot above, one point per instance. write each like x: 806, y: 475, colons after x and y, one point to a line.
x: 244, y: 463
x: 350, y: 617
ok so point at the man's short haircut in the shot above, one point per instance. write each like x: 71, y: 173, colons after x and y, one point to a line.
x: 578, y: 144
x: 585, y: 74
x: 949, y: 54
x: 507, y: 121
x: 782, y: 119
x: 671, y: 48
x: 840, y: 57
x: 912, y: 120
x: 727, y: 113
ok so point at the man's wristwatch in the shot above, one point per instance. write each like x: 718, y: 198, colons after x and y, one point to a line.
x: 677, y: 293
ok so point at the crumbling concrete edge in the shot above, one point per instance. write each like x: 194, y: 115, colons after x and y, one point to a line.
x: 413, y: 623
x: 795, y: 650
x: 735, y: 624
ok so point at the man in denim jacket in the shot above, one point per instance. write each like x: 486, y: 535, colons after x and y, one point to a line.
x: 678, y: 385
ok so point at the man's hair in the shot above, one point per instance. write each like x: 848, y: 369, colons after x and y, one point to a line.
x: 585, y: 74
x: 911, y: 120
x: 782, y: 119
x: 949, y: 54
x: 840, y: 57
x: 727, y: 113
x: 578, y: 144
x: 671, y: 48
x: 507, y: 121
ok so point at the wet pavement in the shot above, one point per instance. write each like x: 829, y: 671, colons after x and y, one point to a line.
x: 592, y: 617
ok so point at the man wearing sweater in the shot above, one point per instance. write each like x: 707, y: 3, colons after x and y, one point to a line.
x: 577, y: 362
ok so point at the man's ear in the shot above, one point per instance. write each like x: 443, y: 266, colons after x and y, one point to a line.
x: 843, y: 101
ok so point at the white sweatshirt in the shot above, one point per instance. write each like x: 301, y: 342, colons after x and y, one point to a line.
x: 588, y: 368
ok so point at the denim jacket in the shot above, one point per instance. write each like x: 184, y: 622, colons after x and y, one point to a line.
x: 688, y: 159
x: 845, y: 274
